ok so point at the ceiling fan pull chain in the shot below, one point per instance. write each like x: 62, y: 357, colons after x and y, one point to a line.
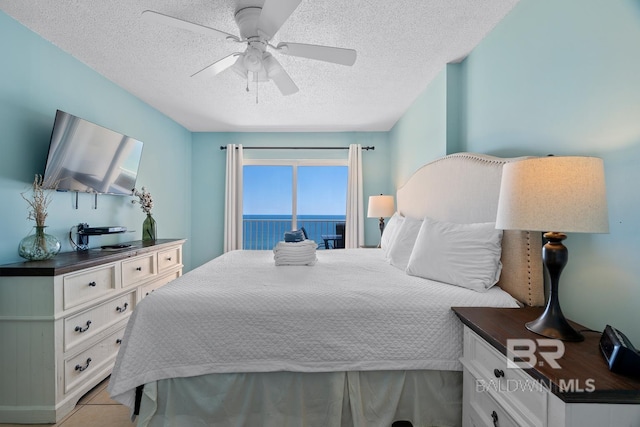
x: 247, y: 81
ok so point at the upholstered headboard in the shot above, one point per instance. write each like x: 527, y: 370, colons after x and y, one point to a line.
x: 464, y: 188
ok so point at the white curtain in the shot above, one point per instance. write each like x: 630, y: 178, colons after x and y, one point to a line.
x: 354, y: 227
x: 233, y: 199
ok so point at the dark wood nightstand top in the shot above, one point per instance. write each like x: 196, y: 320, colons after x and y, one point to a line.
x: 583, y: 377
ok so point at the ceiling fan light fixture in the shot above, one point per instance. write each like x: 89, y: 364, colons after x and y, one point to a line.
x: 253, y: 59
x: 271, y: 65
x: 276, y: 72
x: 239, y: 68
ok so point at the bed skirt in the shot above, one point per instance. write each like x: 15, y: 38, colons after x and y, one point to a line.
x: 282, y: 399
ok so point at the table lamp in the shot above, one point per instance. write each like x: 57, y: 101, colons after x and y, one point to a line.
x: 380, y: 207
x: 561, y: 194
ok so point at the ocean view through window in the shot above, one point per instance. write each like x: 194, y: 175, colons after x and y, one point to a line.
x: 283, y: 197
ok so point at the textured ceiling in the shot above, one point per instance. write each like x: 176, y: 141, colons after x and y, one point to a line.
x: 401, y: 47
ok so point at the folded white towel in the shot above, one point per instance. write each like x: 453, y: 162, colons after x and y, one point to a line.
x: 306, y: 253
x: 308, y: 262
x: 295, y: 253
x: 295, y: 245
x: 304, y: 257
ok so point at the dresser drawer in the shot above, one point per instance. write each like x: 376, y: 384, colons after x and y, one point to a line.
x: 90, y: 362
x: 82, y: 326
x: 138, y: 269
x: 88, y: 285
x: 526, y: 397
x: 169, y: 258
x: 146, y: 290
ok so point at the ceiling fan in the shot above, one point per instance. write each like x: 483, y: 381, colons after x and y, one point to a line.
x: 257, y: 27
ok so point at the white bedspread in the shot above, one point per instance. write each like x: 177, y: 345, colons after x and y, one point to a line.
x: 352, y: 311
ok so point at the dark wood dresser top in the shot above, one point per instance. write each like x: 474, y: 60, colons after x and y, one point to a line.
x: 584, y: 376
x: 68, y: 262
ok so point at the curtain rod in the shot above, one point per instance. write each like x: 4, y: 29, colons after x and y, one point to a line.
x: 224, y: 147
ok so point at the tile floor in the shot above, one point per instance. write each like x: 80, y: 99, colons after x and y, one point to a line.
x: 95, y: 409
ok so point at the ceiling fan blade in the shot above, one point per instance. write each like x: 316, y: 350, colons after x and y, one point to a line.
x: 220, y: 65
x: 274, y: 14
x: 279, y: 76
x: 284, y: 83
x: 156, y: 17
x: 336, y: 55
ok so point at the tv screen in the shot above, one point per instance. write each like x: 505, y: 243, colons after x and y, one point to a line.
x: 88, y: 158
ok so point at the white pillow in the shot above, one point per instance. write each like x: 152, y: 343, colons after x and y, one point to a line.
x: 403, y: 242
x: 466, y: 255
x: 390, y: 231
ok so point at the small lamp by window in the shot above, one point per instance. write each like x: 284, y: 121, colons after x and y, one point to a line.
x: 381, y: 207
x: 562, y: 194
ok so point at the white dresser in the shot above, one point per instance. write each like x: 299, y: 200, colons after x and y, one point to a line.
x: 62, y: 321
x: 579, y: 392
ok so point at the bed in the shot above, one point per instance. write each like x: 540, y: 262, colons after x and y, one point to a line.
x: 364, y: 337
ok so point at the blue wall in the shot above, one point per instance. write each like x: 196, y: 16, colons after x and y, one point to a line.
x: 558, y: 77
x: 208, y: 172
x: 36, y: 78
x: 431, y: 128
x: 421, y: 134
x: 563, y: 77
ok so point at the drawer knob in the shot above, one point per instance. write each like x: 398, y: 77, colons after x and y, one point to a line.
x: 169, y: 258
x: 494, y: 417
x: 138, y: 268
x: 92, y: 284
x: 81, y: 368
x: 498, y: 373
x: 119, y: 341
x: 123, y: 308
x: 81, y: 329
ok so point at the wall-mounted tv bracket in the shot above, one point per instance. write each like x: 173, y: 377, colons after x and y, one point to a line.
x: 95, y: 201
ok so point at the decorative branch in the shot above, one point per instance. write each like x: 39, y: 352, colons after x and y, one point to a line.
x: 38, y: 202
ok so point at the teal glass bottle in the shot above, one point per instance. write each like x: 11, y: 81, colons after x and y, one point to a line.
x: 149, y: 229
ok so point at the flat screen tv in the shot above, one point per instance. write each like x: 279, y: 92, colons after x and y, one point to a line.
x: 88, y: 158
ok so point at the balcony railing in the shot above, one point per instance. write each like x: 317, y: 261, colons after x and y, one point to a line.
x: 263, y: 234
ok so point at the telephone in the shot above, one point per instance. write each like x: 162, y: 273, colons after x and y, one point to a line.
x: 621, y: 356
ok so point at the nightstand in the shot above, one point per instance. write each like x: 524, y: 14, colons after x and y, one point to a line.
x: 550, y: 384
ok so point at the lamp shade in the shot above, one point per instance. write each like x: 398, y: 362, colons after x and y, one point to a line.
x: 380, y: 206
x: 562, y: 194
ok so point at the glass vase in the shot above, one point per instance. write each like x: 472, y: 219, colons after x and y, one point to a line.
x: 149, y: 229
x: 39, y: 245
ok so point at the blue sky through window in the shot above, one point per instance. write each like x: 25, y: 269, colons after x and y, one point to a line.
x: 322, y: 190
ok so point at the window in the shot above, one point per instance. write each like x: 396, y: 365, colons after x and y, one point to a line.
x: 283, y: 195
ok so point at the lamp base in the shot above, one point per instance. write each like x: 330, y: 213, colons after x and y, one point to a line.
x: 554, y: 326
x: 552, y: 323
